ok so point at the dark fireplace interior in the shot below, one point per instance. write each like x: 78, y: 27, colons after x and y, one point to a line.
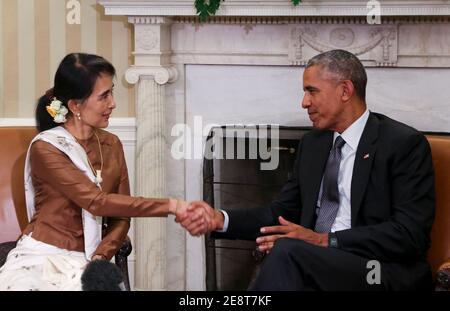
x: 240, y: 183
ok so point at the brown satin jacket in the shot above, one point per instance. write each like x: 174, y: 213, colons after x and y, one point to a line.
x: 62, y: 191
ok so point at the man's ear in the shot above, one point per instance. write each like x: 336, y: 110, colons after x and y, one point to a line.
x: 73, y: 106
x: 348, y: 89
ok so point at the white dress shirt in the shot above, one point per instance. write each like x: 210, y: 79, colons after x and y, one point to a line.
x: 351, y: 135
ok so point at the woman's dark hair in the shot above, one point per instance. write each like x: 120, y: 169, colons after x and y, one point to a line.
x: 75, y: 79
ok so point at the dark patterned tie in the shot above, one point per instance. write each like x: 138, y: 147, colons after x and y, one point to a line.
x: 329, y: 205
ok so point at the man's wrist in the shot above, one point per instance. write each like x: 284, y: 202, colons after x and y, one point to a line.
x: 322, y: 239
x: 220, y: 219
x: 333, y: 240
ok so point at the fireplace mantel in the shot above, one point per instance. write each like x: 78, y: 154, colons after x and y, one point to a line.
x: 278, y: 8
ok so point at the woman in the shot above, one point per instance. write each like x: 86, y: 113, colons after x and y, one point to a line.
x: 75, y: 173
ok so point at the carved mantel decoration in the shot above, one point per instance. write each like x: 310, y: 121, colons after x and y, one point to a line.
x: 168, y: 36
x: 374, y: 45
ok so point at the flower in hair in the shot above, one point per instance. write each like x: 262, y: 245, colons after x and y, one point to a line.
x: 57, y: 110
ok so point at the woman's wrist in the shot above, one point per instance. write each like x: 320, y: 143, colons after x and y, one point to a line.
x: 173, y: 205
x: 99, y: 257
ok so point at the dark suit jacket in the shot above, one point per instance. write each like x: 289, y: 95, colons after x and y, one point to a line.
x: 392, y: 199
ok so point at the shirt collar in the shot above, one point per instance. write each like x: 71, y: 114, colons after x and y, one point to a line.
x: 353, y: 133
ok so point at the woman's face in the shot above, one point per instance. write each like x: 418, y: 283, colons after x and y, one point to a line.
x: 96, y: 110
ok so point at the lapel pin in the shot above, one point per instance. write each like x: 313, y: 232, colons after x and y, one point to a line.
x: 366, y: 156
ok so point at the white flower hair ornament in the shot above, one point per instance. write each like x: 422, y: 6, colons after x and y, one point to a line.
x: 57, y: 110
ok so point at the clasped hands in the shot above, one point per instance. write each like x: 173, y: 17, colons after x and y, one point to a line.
x: 199, y: 217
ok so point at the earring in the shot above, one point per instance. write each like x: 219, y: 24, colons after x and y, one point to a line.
x: 78, y: 116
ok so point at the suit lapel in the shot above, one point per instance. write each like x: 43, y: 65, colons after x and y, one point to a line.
x: 365, y: 154
x: 316, y: 159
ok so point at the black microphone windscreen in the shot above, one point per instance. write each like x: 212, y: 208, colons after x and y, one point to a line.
x: 102, y: 275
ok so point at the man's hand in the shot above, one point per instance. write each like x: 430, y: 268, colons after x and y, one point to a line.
x: 288, y: 229
x: 195, y: 220
x: 199, y: 218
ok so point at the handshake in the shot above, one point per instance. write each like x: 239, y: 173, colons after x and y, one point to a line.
x: 197, y: 217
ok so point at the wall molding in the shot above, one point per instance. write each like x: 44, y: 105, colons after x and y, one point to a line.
x: 4, y: 122
x: 281, y: 20
x: 124, y: 128
x: 277, y: 8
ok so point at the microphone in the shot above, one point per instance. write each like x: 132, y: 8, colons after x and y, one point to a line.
x: 102, y: 275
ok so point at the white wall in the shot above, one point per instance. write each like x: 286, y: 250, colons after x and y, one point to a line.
x: 272, y: 94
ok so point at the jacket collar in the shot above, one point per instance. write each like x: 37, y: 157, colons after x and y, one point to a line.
x: 364, y: 157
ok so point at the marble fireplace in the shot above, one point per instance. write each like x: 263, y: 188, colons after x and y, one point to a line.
x: 244, y: 66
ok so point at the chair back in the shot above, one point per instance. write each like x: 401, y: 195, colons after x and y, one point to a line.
x: 14, y: 142
x: 440, y: 234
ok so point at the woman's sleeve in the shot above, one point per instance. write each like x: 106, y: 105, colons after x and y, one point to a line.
x: 62, y: 174
x: 116, y: 227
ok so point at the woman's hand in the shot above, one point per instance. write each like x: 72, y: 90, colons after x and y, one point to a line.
x: 98, y: 257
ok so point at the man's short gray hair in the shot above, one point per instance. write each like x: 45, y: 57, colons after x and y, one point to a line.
x: 345, y: 66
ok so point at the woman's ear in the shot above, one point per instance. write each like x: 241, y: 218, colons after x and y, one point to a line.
x: 73, y: 106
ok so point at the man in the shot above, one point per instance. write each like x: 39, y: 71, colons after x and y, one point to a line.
x: 362, y: 189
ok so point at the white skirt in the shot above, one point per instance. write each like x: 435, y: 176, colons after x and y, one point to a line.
x: 36, y: 266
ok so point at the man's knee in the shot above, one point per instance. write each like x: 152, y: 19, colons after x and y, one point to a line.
x: 284, y: 247
x: 298, y: 252
x: 279, y: 270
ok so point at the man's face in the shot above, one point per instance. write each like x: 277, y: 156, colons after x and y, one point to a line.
x: 323, y: 98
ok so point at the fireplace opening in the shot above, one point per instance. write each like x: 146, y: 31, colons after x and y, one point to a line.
x: 236, y: 175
